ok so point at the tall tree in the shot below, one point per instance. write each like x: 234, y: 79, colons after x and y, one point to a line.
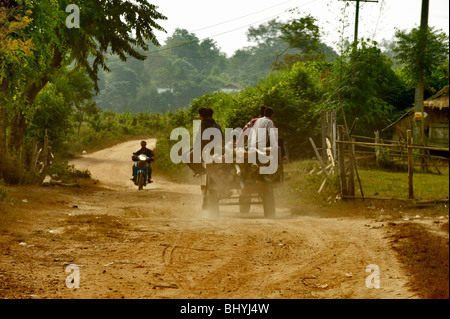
x: 303, y: 37
x: 412, y: 58
x: 15, y: 49
x: 106, y: 26
x: 364, y: 83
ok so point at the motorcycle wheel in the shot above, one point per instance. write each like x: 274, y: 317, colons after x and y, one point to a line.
x: 140, y: 181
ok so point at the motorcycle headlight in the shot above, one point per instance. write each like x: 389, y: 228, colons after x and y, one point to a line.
x: 142, y: 157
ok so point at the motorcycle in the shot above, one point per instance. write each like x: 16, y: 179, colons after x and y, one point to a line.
x: 141, y: 169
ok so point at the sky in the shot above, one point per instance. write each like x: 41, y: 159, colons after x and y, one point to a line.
x: 226, y: 22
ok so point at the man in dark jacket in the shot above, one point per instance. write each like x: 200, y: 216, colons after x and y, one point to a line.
x: 204, y: 115
x: 144, y: 150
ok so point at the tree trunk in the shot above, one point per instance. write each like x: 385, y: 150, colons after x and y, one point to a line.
x: 79, y: 125
x: 3, y: 149
x: 3, y: 127
x: 18, y: 128
x: 19, y: 123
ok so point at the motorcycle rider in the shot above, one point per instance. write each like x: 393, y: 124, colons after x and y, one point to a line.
x: 149, y: 153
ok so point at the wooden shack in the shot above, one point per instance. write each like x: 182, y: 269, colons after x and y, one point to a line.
x: 436, y: 122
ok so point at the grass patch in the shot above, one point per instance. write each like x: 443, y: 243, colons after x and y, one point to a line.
x: 300, y: 191
x: 426, y: 257
x: 382, y: 183
x: 302, y: 184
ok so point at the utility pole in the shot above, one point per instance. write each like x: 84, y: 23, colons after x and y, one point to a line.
x: 357, y: 16
x: 419, y: 114
x: 419, y: 131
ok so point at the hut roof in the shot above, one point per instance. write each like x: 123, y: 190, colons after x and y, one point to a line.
x: 439, y: 100
x: 405, y: 115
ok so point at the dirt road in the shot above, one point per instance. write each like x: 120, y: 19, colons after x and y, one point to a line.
x: 158, y: 243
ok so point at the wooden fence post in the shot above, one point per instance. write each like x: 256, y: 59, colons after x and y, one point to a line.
x: 410, y: 165
x: 351, y: 174
x: 324, y: 118
x: 45, y: 149
x: 322, y: 165
x: 333, y: 132
x: 377, y: 150
x: 341, y: 160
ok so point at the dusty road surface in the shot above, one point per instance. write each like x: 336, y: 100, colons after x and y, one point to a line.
x: 159, y: 243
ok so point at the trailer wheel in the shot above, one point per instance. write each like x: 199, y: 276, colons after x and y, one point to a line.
x: 204, y: 199
x: 268, y: 198
x: 244, y: 204
x: 212, y: 199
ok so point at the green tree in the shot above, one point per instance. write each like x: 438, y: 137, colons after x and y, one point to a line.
x: 68, y: 97
x: 15, y: 50
x: 364, y: 83
x: 413, y: 58
x: 109, y: 26
x: 302, y: 33
x: 250, y: 64
x: 51, y: 114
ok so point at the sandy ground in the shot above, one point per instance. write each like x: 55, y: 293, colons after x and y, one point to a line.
x: 158, y: 243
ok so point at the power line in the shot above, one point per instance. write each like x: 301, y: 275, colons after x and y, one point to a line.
x: 357, y: 15
x: 216, y: 35
x: 244, y: 16
x: 229, y: 31
x: 225, y: 32
x: 378, y: 20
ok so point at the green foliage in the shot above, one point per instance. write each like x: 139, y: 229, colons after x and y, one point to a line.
x: 223, y: 105
x: 35, y: 45
x: 438, y: 79
x: 367, y: 87
x: 164, y: 164
x: 186, y: 68
x: 420, y: 51
x: 66, y: 172
x: 4, y: 192
x: 51, y: 113
x: 302, y: 33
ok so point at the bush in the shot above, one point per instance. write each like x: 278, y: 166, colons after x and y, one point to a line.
x: 67, y: 173
x: 163, y: 163
x: 4, y: 192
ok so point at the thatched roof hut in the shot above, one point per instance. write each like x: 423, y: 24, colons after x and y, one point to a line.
x: 436, y: 122
x: 439, y: 100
